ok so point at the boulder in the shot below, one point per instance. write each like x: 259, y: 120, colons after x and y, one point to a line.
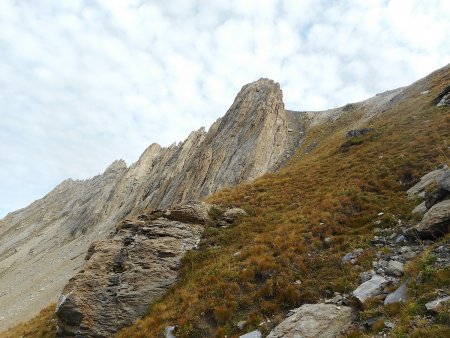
x: 126, y: 272
x: 394, y: 268
x: 421, y: 209
x: 434, y: 305
x: 399, y: 295
x: 253, y: 334
x: 230, y: 216
x: 314, y: 320
x: 426, y: 181
x: 443, y: 98
x: 191, y: 212
x: 435, y: 222
x: 358, y: 132
x: 444, y: 181
x: 373, y: 287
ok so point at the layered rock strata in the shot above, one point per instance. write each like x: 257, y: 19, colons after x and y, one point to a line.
x: 43, y: 245
x: 128, y: 270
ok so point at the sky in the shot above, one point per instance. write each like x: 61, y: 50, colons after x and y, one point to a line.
x: 83, y: 83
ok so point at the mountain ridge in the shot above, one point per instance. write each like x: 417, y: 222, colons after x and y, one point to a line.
x: 344, y: 118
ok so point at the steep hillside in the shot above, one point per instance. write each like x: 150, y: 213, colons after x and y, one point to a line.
x: 333, y: 196
x: 43, y: 245
x: 330, y: 198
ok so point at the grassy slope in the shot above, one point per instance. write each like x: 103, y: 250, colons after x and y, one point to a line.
x: 334, y: 191
x: 42, y: 326
x: 249, y: 271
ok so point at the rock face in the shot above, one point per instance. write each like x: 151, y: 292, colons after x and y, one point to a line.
x: 435, y: 222
x: 43, y: 245
x: 436, y: 207
x: 426, y: 181
x: 314, y: 320
x: 443, y: 99
x: 127, y: 271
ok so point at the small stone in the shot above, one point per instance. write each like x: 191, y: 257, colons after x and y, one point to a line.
x: 380, y: 213
x: 408, y: 255
x: 168, y: 332
x: 241, y: 324
x: 365, y: 276
x: 357, y: 252
x: 395, y: 268
x: 389, y: 325
x: 400, y: 239
x: 348, y: 257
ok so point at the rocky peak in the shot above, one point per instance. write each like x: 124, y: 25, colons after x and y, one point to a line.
x: 254, y: 99
x: 247, y: 142
x: 117, y: 167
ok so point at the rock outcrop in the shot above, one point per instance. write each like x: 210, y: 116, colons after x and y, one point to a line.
x: 128, y: 270
x: 435, y: 222
x: 436, y: 207
x: 314, y: 321
x: 43, y: 245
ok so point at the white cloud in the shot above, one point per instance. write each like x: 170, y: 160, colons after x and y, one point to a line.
x: 85, y: 82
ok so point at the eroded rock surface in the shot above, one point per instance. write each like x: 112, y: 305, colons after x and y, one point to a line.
x: 314, y: 321
x: 127, y: 271
x: 43, y: 245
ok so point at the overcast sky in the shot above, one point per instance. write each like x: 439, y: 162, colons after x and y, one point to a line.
x: 85, y: 82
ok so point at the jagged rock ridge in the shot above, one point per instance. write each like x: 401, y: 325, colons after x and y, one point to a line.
x: 43, y: 245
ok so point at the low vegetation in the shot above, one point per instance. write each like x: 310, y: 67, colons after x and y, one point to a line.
x: 301, y: 221
x: 42, y: 326
x: 277, y: 258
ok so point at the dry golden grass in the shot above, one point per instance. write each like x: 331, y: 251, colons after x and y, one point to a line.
x: 41, y: 326
x: 249, y: 271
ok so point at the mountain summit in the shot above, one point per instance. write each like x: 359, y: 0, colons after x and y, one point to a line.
x: 43, y: 245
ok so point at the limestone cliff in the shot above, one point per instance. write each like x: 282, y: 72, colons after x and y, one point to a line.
x: 43, y: 245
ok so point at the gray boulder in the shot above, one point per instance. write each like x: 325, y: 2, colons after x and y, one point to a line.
x: 435, y: 222
x: 434, y: 305
x: 444, y: 181
x: 426, y: 181
x: 253, y: 334
x: 394, y: 268
x: 373, y: 287
x: 420, y: 209
x: 399, y: 295
x: 192, y: 212
x: 358, y: 132
x: 230, y: 216
x: 314, y: 321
